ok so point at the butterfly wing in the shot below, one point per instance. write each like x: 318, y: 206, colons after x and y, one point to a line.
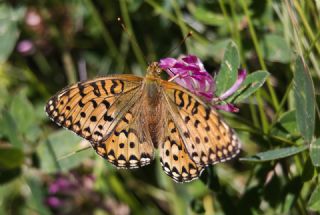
x: 205, y: 136
x: 174, y: 158
x: 129, y: 145
x: 99, y: 110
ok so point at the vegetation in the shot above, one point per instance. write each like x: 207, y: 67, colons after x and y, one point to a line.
x: 46, y: 45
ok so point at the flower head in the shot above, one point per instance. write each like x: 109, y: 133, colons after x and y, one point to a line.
x: 53, y: 202
x: 74, y: 193
x: 61, y: 185
x: 26, y: 47
x: 189, y: 72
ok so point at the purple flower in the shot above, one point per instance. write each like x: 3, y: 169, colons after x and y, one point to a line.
x: 227, y: 107
x: 25, y: 47
x: 74, y: 193
x: 32, y: 18
x: 60, y: 185
x: 190, y: 73
x: 242, y: 73
x: 53, y: 202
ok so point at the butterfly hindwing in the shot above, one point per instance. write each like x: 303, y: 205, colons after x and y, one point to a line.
x: 207, y: 138
x: 129, y: 145
x: 174, y: 158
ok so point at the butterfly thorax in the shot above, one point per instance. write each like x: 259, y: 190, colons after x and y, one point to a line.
x: 153, y: 70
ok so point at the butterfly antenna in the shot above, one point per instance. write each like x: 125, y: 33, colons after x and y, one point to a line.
x: 134, y: 42
x: 180, y: 44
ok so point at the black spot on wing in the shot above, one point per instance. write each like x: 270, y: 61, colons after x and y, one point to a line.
x: 114, y: 85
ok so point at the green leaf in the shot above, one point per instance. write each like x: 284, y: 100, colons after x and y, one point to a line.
x: 210, y: 179
x: 4, y: 95
x: 23, y: 112
x: 134, y: 5
x: 9, y: 30
x: 197, y: 206
x: 250, y: 85
x: 314, y: 201
x: 315, y: 152
x: 308, y: 171
x: 286, y: 126
x: 8, y: 129
x: 10, y: 157
x: 304, y: 100
x: 276, y: 49
x: 36, y: 198
x: 288, y: 203
x: 275, y: 154
x: 58, y: 145
x: 208, y: 17
x: 7, y: 175
x: 229, y: 69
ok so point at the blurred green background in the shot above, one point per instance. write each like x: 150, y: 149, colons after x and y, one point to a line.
x: 46, y: 45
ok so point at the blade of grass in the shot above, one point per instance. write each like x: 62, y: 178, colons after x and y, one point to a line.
x: 259, y: 54
x: 282, y: 103
x: 169, y: 16
x: 136, y: 48
x: 105, y: 33
x: 73, y: 153
x: 305, y: 24
x: 263, y: 66
x: 227, y: 18
x: 181, y: 23
x: 69, y: 67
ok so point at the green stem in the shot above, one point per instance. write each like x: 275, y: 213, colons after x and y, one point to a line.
x: 276, y: 138
x: 226, y: 17
x: 263, y: 66
x: 136, y: 49
x: 54, y: 156
x: 123, y: 194
x: 282, y: 103
x: 237, y: 34
x: 306, y: 24
x: 105, y: 33
x: 69, y: 67
x: 176, y: 203
x: 180, y: 20
x: 166, y: 14
x: 253, y: 112
x: 313, y: 44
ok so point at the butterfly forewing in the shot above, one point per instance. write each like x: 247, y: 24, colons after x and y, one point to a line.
x: 206, y: 137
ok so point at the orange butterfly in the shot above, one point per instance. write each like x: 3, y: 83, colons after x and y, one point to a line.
x: 126, y: 118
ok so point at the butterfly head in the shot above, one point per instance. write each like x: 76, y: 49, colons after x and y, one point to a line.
x: 154, y: 70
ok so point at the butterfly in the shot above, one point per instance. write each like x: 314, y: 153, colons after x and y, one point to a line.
x: 126, y: 118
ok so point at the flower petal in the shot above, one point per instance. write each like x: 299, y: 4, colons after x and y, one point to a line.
x: 242, y: 73
x: 26, y: 47
x: 192, y: 75
x: 166, y: 63
x: 227, y: 108
x: 53, y: 202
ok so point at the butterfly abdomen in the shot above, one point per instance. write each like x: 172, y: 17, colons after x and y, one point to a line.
x: 154, y: 110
